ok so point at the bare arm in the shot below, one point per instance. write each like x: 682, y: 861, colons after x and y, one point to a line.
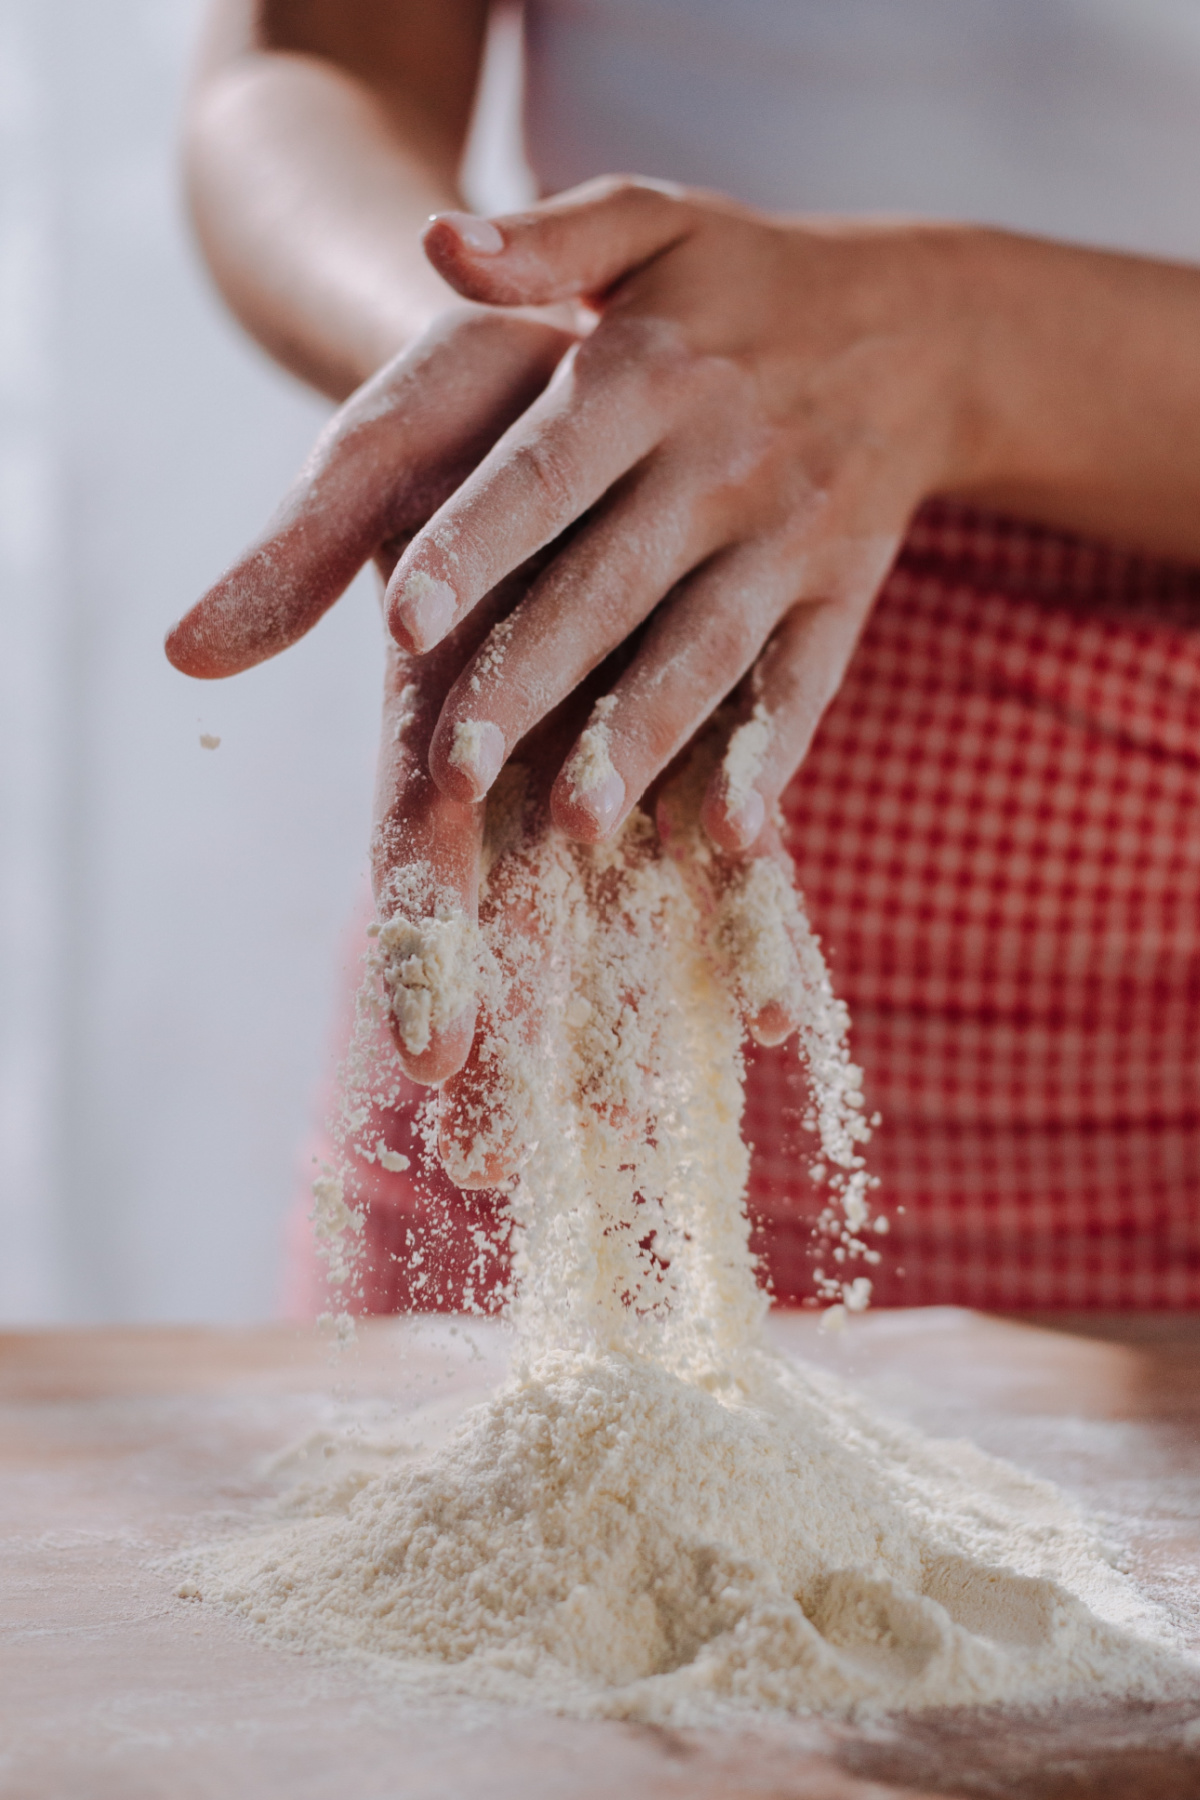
x: 724, y: 468
x: 1085, y: 409
x: 320, y: 136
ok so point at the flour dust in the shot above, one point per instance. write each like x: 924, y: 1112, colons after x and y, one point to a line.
x: 656, y: 1516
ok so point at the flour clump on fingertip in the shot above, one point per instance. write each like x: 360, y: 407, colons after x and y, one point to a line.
x: 428, y: 968
x: 743, y: 760
x: 592, y: 766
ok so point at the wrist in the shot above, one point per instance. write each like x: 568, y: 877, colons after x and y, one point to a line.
x: 914, y: 302
x: 1014, y: 333
x: 958, y: 286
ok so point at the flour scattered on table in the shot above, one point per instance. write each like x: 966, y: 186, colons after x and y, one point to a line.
x: 657, y: 1517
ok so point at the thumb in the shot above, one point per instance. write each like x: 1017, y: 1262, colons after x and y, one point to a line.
x: 578, y: 244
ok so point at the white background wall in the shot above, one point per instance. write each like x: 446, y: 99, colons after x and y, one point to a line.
x: 169, y: 917
x: 172, y: 920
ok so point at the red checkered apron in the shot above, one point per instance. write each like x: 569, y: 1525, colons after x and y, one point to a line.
x: 997, y: 831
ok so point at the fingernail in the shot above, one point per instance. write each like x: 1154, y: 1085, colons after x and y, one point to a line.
x: 749, y: 817
x: 772, y: 1025
x: 479, y: 751
x: 426, y: 609
x: 604, y: 801
x: 479, y: 235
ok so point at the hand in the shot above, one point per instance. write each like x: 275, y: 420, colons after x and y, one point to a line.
x: 735, y: 450
x: 388, y: 458
x: 386, y: 461
x: 537, y: 967
x: 731, y: 401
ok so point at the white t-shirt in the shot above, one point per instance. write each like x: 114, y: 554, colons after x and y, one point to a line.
x: 1075, y: 118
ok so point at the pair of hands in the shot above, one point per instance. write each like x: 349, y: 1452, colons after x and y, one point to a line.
x: 687, y: 494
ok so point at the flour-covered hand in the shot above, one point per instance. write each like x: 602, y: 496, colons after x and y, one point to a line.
x: 733, y: 453
x: 385, y: 462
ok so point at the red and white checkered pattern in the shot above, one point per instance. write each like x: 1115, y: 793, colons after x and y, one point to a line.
x: 998, y: 834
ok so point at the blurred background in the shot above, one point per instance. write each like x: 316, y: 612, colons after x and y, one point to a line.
x: 169, y: 916
x: 172, y: 919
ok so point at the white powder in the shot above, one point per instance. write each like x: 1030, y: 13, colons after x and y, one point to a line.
x: 335, y: 1225
x: 337, y: 1233
x: 744, y: 758
x: 404, y: 712
x: 467, y: 746
x: 489, y: 660
x: 427, y: 965
x: 591, y: 765
x: 608, y: 1537
x: 656, y: 1517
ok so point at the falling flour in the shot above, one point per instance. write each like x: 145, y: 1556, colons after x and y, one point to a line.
x: 656, y: 1516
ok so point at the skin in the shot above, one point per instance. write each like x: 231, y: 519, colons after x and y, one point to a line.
x: 667, y: 444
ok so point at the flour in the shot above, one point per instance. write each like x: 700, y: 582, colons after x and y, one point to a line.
x: 591, y: 766
x: 745, y: 756
x: 609, y: 1538
x: 427, y: 966
x: 656, y: 1517
x: 467, y: 745
x: 336, y: 1227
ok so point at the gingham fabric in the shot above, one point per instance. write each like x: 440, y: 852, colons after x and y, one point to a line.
x: 997, y: 831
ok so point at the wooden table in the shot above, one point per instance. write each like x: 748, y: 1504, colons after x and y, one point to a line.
x: 116, y: 1446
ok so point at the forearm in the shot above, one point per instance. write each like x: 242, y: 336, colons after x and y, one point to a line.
x: 309, y: 188
x: 1086, y: 391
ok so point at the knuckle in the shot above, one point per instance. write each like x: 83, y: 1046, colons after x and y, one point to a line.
x: 646, y: 350
x: 730, y: 636
x: 541, y: 467
x: 660, y: 734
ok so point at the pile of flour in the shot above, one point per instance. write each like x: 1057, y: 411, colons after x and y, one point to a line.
x: 655, y: 1516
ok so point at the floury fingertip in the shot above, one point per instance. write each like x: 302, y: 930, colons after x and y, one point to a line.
x: 594, y: 785
x: 424, y: 610
x: 478, y: 751
x: 604, y: 801
x: 748, y: 819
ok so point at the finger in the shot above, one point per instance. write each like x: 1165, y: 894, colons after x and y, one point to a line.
x: 579, y: 243
x: 425, y: 858
x: 607, y: 407
x: 484, y: 1115
x: 795, y: 679
x: 486, y: 1111
x: 591, y: 597
x: 756, y: 926
x: 698, y: 646
x: 385, y: 462
x: 764, y: 934
x: 425, y: 865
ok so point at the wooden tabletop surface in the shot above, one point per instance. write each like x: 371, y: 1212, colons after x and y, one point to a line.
x: 117, y: 1446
